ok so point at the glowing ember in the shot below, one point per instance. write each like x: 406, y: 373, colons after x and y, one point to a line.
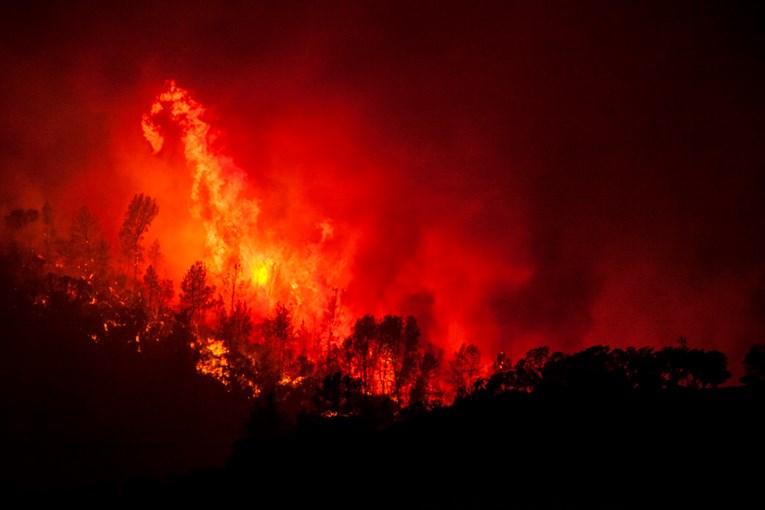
x: 213, y: 359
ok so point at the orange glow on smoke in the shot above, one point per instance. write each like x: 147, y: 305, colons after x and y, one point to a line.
x: 267, y: 237
x: 246, y: 258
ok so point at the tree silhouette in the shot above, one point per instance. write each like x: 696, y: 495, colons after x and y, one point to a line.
x: 157, y: 292
x: 389, y: 352
x: 278, y: 333
x: 140, y: 213
x: 154, y: 255
x: 709, y: 369
x: 502, y: 363
x: 693, y: 368
x: 361, y: 349
x: 329, y: 321
x: 235, y: 329
x: 338, y: 395
x: 464, y: 368
x: 425, y: 391
x: 529, y: 369
x: 197, y: 295
x: 87, y: 252
x: 232, y: 281
x: 754, y: 366
x: 642, y: 367
x: 406, y: 360
x: 590, y: 371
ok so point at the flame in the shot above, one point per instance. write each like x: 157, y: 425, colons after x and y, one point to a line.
x: 217, y: 183
x: 261, y: 270
x: 300, y: 277
x: 213, y: 360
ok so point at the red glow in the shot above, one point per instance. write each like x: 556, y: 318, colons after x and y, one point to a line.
x: 295, y: 256
x: 268, y: 266
x: 512, y: 175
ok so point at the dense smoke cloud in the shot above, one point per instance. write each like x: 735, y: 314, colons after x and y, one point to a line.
x: 514, y: 174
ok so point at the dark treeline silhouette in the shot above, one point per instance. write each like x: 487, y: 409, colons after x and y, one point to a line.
x: 114, y: 387
x: 81, y: 416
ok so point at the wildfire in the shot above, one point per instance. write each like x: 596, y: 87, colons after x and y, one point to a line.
x: 261, y: 270
x: 238, y: 248
x: 213, y: 358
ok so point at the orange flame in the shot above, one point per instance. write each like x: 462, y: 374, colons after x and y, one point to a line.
x: 236, y: 246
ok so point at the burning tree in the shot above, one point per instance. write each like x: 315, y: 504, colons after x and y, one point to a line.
x: 140, y: 213
x: 87, y: 252
x: 241, y: 255
x: 235, y: 329
x: 278, y: 333
x: 197, y: 295
x: 157, y: 296
x: 465, y: 368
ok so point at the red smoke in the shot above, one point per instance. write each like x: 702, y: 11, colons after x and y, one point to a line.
x: 318, y: 218
x: 512, y: 174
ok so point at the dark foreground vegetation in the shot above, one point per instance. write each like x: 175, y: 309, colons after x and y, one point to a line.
x: 104, y: 402
x: 685, y: 449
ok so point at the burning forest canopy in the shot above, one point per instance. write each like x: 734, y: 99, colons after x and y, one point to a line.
x: 263, y: 307
x: 257, y: 281
x: 552, y: 178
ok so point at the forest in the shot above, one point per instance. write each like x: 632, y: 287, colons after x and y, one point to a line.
x: 119, y: 383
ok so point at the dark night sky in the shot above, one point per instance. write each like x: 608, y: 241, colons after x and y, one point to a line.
x: 566, y: 173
